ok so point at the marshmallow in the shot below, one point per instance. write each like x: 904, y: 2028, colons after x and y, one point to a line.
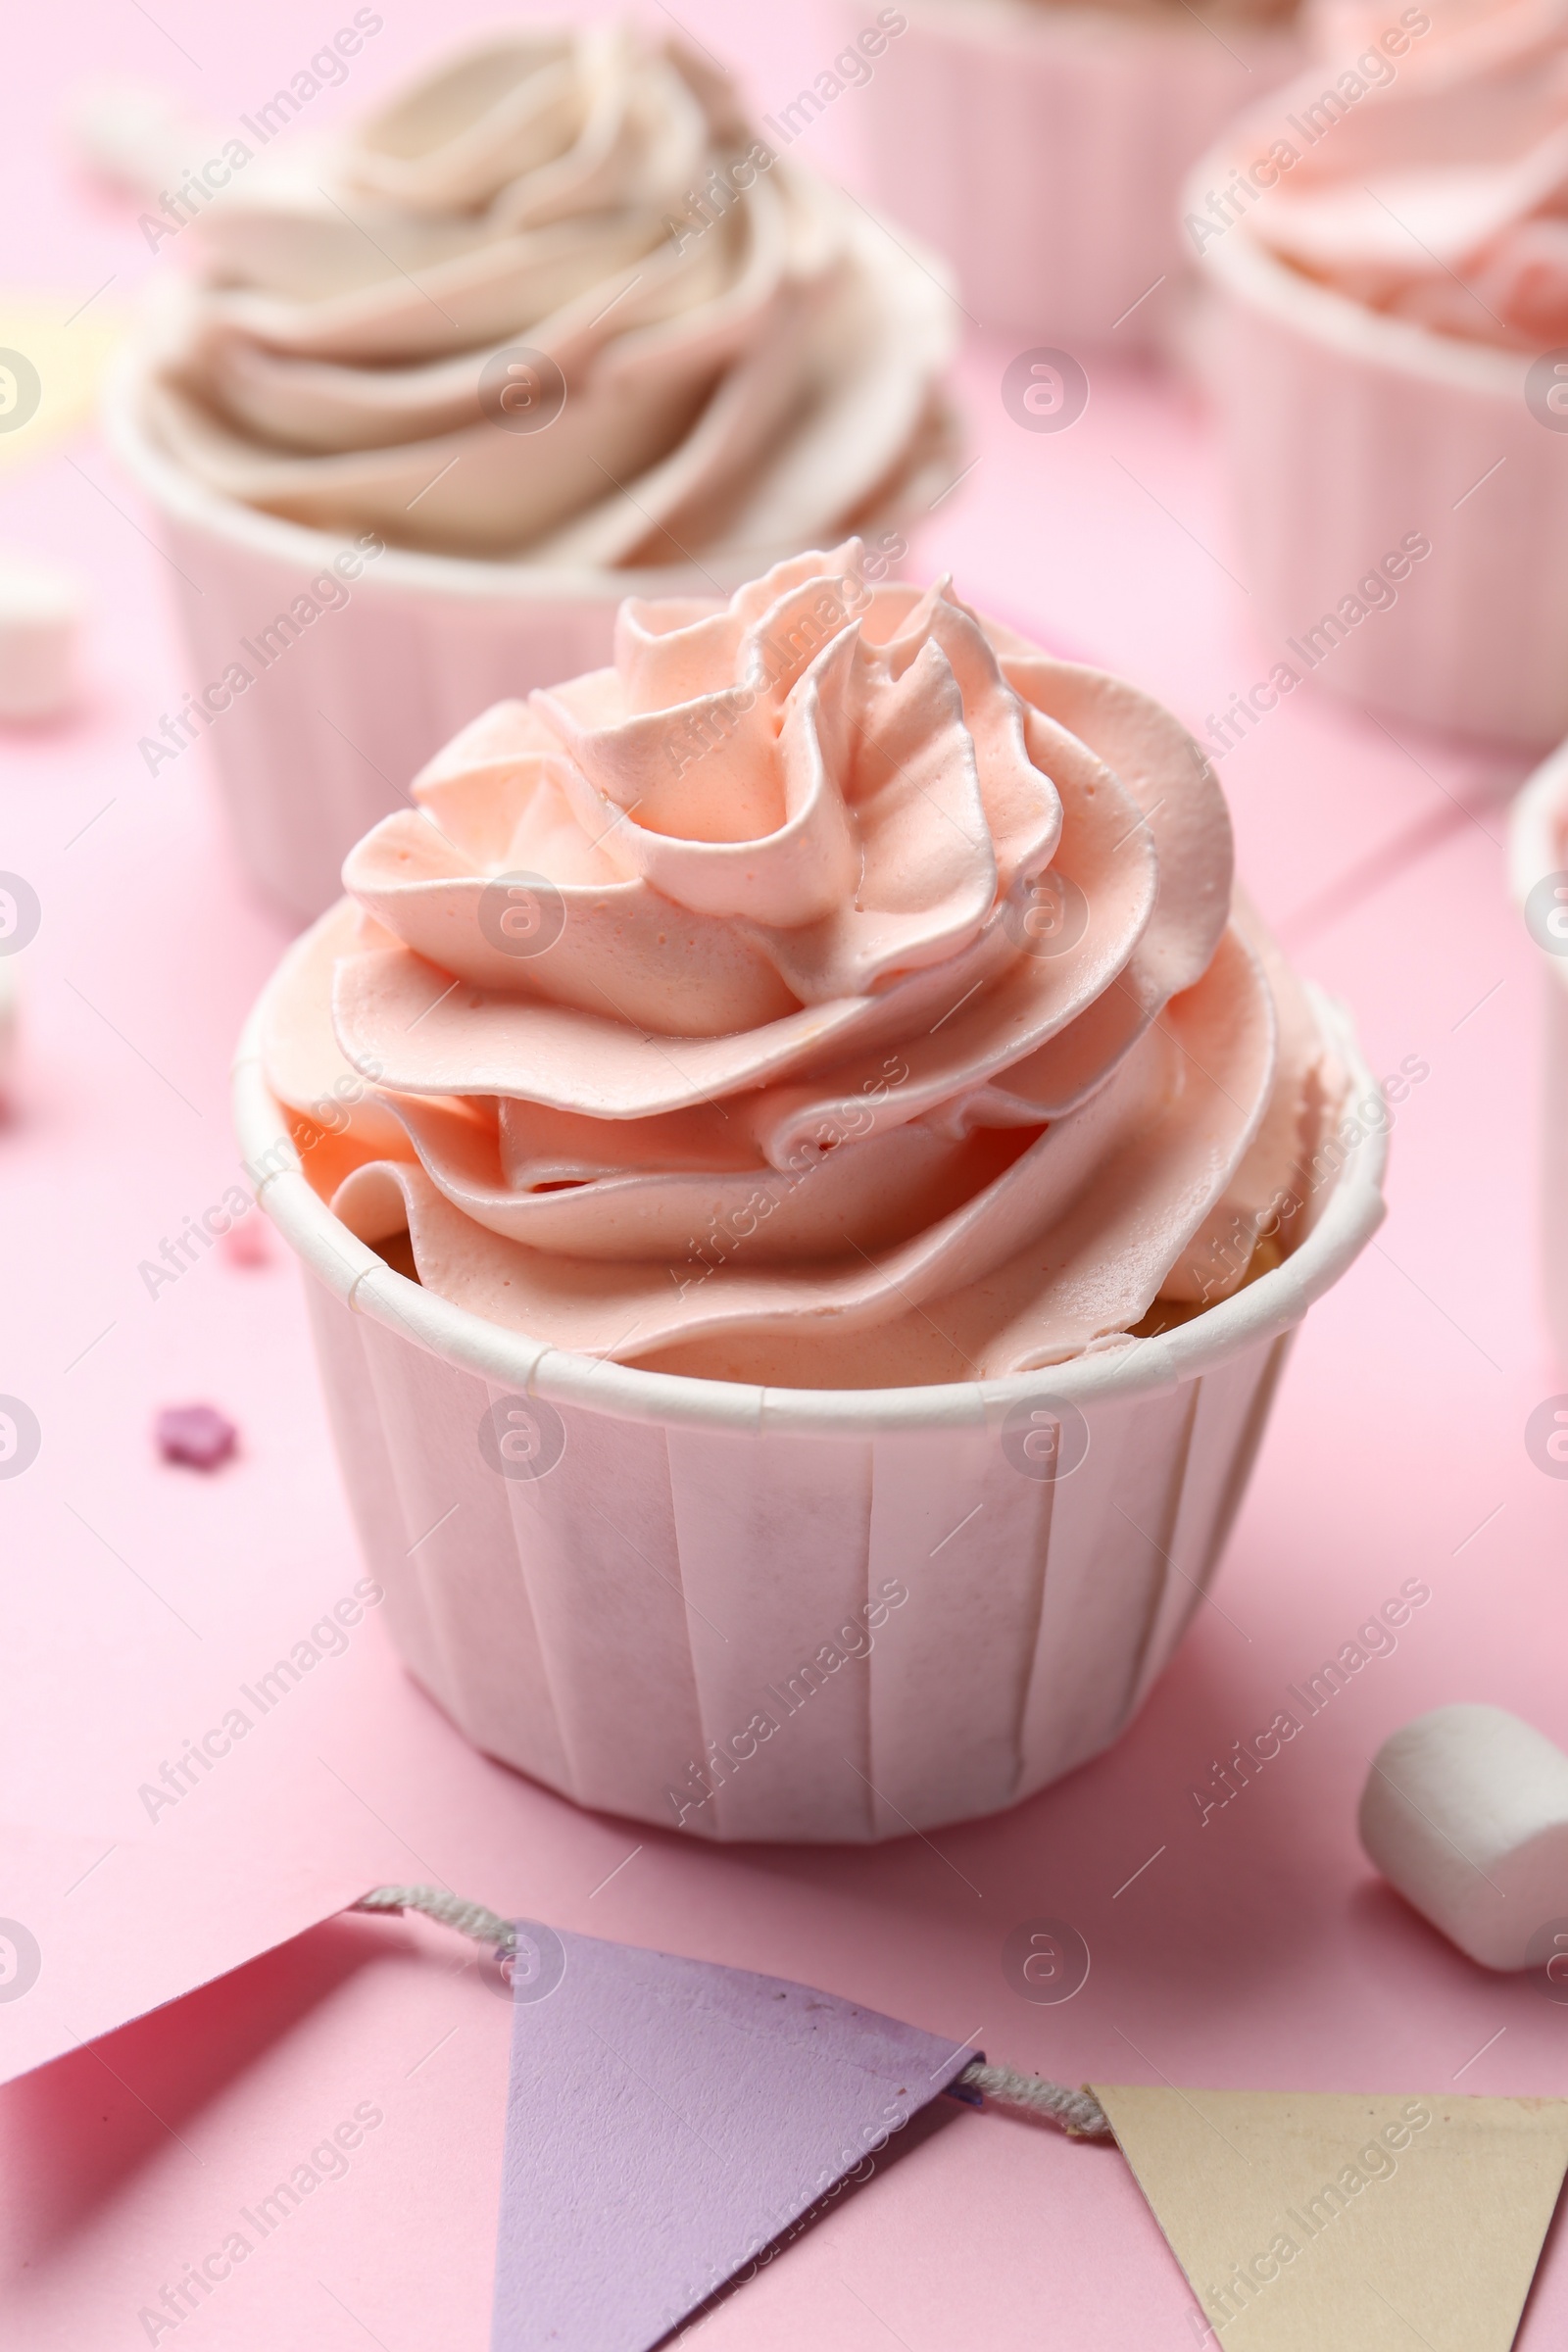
x: 40, y: 621
x: 137, y: 137
x: 1465, y: 1811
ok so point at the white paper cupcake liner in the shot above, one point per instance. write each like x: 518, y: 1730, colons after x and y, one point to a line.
x: 327, y: 738
x: 1042, y: 149
x: 1538, y: 829
x: 615, y: 1578
x: 1345, y: 432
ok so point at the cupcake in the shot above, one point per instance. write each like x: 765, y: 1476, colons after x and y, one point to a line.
x: 1387, y: 250
x: 1041, y: 146
x: 810, y: 1173
x: 1537, y: 860
x: 555, y: 325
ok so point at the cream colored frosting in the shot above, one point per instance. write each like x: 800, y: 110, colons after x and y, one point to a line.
x: 837, y: 991
x: 749, y: 362
x: 1442, y: 195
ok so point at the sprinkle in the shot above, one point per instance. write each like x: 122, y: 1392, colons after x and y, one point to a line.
x: 197, y: 1435
x: 245, y: 1244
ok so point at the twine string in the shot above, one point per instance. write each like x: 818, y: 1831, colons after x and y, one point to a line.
x: 1078, y: 2112
x: 455, y: 1911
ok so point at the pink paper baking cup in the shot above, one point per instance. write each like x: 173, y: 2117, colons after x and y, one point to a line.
x: 326, y: 740
x: 1040, y: 148
x: 661, y: 1565
x: 1345, y: 431
x: 1537, y: 863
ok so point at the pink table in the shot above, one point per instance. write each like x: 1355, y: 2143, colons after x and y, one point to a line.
x: 1257, y: 1950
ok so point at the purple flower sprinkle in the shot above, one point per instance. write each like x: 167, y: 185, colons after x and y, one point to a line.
x: 197, y: 1435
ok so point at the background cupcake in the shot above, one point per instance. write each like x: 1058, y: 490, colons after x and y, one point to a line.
x: 1388, y: 249
x: 554, y: 319
x: 1042, y: 147
x: 804, y: 1088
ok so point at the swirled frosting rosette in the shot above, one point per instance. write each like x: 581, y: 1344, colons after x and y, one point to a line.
x: 837, y: 991
x: 574, y: 230
x: 1438, y: 192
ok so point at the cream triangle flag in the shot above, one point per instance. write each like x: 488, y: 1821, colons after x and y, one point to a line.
x: 53, y: 353
x: 1336, y: 2222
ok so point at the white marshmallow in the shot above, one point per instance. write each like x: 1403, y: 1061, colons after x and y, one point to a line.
x: 137, y: 137
x: 1465, y: 1811
x: 41, y: 626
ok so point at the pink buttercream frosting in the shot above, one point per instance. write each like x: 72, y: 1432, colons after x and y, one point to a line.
x: 836, y: 992
x: 1435, y: 186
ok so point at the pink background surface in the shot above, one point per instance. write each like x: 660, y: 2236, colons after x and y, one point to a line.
x: 1258, y: 1952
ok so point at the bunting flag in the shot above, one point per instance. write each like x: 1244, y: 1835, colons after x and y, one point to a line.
x: 53, y: 353
x: 672, y: 2123
x: 668, y: 2120
x: 1304, y: 2219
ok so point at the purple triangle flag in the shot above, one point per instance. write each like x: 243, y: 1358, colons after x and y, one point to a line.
x: 667, y: 2120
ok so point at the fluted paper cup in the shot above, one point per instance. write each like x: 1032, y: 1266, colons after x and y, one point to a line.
x: 352, y: 693
x: 1042, y: 149
x: 1348, y: 434
x: 1538, y: 862
x: 781, y: 1613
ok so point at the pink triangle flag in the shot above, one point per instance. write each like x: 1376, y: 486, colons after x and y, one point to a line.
x: 667, y: 2120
